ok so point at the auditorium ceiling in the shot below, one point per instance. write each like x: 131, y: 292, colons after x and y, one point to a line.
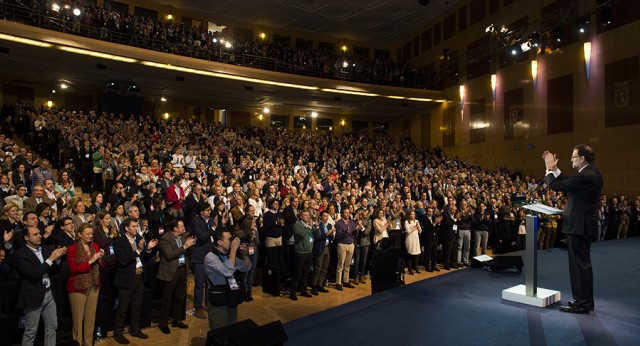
x: 357, y: 20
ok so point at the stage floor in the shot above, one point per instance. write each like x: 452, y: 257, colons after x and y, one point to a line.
x: 465, y: 307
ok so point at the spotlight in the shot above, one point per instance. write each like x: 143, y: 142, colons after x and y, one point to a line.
x: 215, y: 40
x: 525, y: 46
x: 114, y: 85
x: 490, y: 29
x: 76, y: 12
x: 227, y: 44
x: 134, y: 88
x: 163, y: 99
x: 557, y: 34
x: 345, y: 64
x: 55, y: 7
x: 606, y: 15
x: 266, y: 110
x: 535, y: 39
x: 582, y: 23
x: 515, y: 49
x: 63, y: 86
x: 314, y: 114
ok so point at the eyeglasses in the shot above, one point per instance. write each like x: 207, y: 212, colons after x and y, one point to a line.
x: 575, y: 157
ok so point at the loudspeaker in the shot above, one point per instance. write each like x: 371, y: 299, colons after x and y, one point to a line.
x: 480, y: 261
x: 270, y: 334
x: 503, y: 262
x: 248, y: 333
x: 227, y: 335
x: 271, y: 280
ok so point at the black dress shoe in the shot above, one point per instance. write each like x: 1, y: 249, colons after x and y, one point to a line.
x: 339, y: 287
x: 417, y: 271
x: 322, y: 289
x: 348, y: 285
x: 164, y: 329
x: 574, y: 309
x: 293, y: 297
x: 436, y: 269
x: 119, y: 338
x: 179, y: 324
x: 139, y: 334
x: 430, y: 270
x: 314, y: 291
x: 305, y: 294
x: 572, y: 303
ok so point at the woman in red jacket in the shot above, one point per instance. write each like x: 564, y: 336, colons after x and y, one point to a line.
x: 85, y: 260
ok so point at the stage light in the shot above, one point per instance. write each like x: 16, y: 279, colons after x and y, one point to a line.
x: 76, y: 12
x: 227, y: 44
x: 169, y: 17
x: 163, y: 99
x: 112, y: 84
x: 260, y: 117
x: 314, y: 114
x: 49, y: 103
x: 525, y: 46
x: 490, y: 29
x: 63, y: 86
x: 263, y: 35
x: 266, y: 110
x: 55, y: 7
x: 134, y: 88
x: 606, y: 15
x: 582, y: 23
x: 515, y: 49
x: 166, y: 115
x: 342, y: 122
x: 345, y: 64
x: 535, y: 39
x: 557, y: 34
x: 344, y: 48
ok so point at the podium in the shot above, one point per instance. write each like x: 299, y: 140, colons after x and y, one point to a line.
x: 530, y: 293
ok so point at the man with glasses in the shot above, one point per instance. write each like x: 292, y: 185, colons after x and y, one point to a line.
x: 580, y: 221
x: 19, y: 198
x: 36, y: 198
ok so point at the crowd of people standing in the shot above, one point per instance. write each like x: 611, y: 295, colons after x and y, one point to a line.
x: 219, y: 202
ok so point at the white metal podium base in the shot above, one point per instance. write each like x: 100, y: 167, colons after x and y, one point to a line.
x: 542, y: 299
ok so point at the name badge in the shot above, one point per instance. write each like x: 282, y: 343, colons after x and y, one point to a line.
x: 87, y: 156
x: 161, y: 231
x: 111, y: 252
x: 455, y: 227
x: 211, y: 239
x: 138, y: 263
x: 310, y: 239
x: 233, y: 285
x: 495, y: 216
x: 45, y: 282
x: 152, y: 207
x: 251, y: 250
x: 181, y: 259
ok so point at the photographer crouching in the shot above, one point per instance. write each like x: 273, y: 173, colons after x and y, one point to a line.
x: 227, y: 257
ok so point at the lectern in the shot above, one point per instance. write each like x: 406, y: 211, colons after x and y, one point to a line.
x: 530, y: 293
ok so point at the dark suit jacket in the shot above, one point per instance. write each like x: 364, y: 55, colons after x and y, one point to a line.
x: 126, y: 269
x: 203, y: 232
x: 583, y: 192
x: 31, y: 271
x: 169, y: 255
x: 446, y: 228
x: 429, y: 230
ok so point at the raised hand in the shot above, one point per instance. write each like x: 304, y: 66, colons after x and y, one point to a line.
x: 550, y: 161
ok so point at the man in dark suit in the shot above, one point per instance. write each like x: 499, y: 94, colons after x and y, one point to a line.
x: 580, y: 220
x: 173, y: 273
x: 131, y: 251
x: 447, y: 235
x: 429, y: 238
x: 202, y: 228
x: 33, y: 263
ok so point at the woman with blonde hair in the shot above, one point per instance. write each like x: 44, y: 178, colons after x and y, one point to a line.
x: 84, y: 259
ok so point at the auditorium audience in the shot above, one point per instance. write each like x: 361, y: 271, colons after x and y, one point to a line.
x: 260, y: 181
